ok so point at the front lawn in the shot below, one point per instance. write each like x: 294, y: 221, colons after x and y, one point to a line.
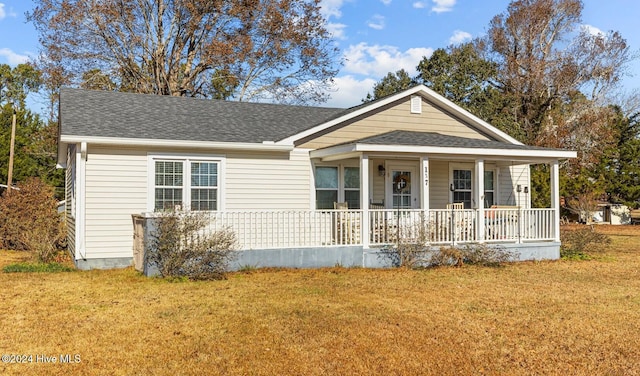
x: 560, y: 317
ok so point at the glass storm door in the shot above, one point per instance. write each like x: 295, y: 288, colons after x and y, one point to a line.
x: 402, y: 188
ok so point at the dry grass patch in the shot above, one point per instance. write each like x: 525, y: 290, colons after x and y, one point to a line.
x: 580, y: 318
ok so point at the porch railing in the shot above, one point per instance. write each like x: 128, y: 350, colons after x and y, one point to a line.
x: 319, y: 228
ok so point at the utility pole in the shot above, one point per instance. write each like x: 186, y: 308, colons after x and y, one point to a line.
x: 13, y: 141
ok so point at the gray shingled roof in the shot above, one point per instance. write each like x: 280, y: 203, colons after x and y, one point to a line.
x: 410, y: 138
x: 124, y: 115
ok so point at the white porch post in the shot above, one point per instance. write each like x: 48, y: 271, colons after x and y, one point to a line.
x: 555, y: 198
x: 424, y: 178
x: 364, y: 199
x: 478, y: 196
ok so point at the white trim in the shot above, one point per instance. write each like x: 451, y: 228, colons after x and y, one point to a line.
x: 176, y: 143
x: 419, y: 90
x: 186, y: 159
x: 424, y: 183
x: 364, y: 200
x: 555, y: 198
x: 479, y: 196
x: 334, y: 151
x: 81, y: 194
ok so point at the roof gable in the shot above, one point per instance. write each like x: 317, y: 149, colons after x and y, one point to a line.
x: 364, y: 110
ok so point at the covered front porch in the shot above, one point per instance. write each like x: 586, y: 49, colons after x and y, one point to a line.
x: 436, y: 189
x: 375, y: 200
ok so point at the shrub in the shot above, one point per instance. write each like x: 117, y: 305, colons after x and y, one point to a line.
x: 29, y: 220
x: 577, y: 244
x: 419, y: 255
x: 181, y: 246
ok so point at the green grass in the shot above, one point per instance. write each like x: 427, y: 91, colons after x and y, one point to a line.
x: 36, y: 267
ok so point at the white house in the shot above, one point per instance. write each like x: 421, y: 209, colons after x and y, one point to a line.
x: 300, y: 186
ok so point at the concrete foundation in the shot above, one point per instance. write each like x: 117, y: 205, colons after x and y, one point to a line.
x: 354, y: 256
x: 104, y: 263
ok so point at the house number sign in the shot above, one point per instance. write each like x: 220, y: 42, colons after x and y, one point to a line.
x: 426, y: 176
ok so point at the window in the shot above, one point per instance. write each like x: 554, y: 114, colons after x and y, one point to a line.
x: 462, y: 187
x: 337, y: 184
x: 326, y: 187
x: 168, y: 185
x: 186, y: 184
x: 352, y: 187
x: 489, y: 189
x: 204, y: 186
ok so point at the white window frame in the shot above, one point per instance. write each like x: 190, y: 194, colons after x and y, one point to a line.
x: 470, y: 166
x: 341, y: 181
x: 495, y: 187
x: 186, y: 159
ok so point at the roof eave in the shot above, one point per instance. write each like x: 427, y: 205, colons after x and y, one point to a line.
x: 437, y: 150
x: 246, y: 146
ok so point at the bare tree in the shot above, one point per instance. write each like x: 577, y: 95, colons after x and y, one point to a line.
x: 544, y: 60
x: 245, y: 49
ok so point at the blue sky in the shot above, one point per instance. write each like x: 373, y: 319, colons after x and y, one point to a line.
x: 378, y: 36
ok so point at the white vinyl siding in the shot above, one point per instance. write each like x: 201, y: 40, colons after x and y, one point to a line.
x: 509, y: 178
x: 116, y: 187
x: 277, y: 181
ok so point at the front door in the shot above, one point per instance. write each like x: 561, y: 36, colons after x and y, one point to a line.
x: 401, y: 187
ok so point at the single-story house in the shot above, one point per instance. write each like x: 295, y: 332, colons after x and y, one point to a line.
x: 300, y: 186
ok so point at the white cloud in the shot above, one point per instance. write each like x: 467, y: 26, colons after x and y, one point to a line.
x: 13, y: 58
x: 377, y: 61
x: 337, y: 30
x: 331, y: 8
x: 592, y: 30
x: 349, y: 91
x: 419, y: 5
x: 386, y: 2
x: 459, y: 36
x: 443, y: 5
x: 376, y: 22
x: 4, y: 14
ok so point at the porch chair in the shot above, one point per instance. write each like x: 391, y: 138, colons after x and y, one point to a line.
x: 341, y: 205
x: 346, y: 227
x: 462, y: 228
x: 456, y: 206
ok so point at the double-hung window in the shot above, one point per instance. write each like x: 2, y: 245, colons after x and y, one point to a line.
x: 326, y: 187
x: 337, y: 184
x: 489, y: 188
x: 462, y: 187
x: 185, y: 183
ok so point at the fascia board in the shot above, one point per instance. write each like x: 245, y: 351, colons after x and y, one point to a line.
x: 176, y: 143
x: 372, y: 148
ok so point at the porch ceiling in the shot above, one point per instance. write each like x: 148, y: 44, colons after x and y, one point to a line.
x: 436, y: 144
